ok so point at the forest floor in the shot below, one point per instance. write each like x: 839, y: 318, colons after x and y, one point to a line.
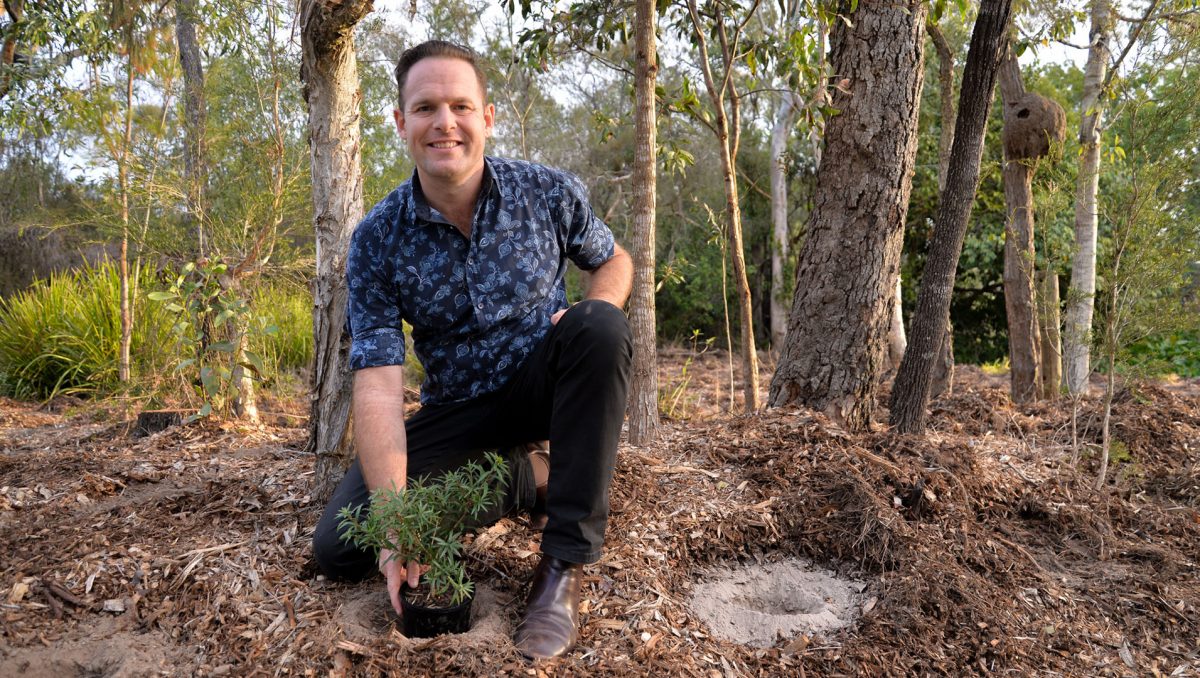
x: 979, y: 548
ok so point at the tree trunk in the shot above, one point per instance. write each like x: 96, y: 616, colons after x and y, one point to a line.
x: 943, y: 372
x: 643, y: 402
x: 193, y: 116
x: 737, y: 254
x: 780, y: 133
x: 1082, y: 290
x: 1020, y: 302
x: 910, y: 394
x: 123, y: 359
x: 836, y: 346
x: 329, y: 71
x: 1020, y: 297
x: 728, y: 128
x: 245, y: 404
x: 8, y: 51
x: 1048, y: 323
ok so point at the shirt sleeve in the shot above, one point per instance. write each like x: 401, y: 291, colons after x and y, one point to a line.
x: 373, y: 308
x: 588, y: 242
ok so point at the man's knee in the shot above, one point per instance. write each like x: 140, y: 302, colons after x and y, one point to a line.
x: 602, y: 323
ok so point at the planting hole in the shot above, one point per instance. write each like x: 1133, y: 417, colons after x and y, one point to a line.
x: 759, y: 605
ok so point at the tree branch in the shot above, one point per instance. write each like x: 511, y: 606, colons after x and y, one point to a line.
x: 1133, y: 37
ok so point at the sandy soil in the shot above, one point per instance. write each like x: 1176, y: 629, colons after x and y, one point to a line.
x: 980, y: 547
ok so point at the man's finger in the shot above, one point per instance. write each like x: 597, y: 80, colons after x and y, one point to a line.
x: 395, y: 576
x: 414, y: 574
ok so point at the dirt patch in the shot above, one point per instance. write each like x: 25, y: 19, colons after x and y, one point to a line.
x: 99, y: 651
x: 759, y: 605
x: 367, y: 614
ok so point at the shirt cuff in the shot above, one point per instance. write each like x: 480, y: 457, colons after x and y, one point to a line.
x: 376, y: 348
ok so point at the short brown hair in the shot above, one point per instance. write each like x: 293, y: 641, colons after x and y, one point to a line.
x: 432, y: 49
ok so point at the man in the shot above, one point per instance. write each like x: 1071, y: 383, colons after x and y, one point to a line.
x: 472, y: 251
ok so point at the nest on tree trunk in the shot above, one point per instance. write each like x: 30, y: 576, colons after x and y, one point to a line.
x: 1032, y: 124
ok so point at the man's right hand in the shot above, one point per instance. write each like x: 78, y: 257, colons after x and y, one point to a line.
x: 396, y: 574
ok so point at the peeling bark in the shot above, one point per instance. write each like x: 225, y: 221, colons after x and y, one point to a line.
x: 329, y: 71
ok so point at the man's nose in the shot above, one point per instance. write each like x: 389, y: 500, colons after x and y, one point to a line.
x: 444, y: 119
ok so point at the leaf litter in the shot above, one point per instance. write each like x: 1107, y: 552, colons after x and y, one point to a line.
x: 979, y: 548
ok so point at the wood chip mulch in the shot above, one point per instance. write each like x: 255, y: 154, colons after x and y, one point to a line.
x: 187, y: 552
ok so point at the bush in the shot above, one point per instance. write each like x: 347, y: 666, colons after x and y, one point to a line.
x: 425, y: 521
x: 62, y: 335
x: 1177, y: 353
x: 288, y: 307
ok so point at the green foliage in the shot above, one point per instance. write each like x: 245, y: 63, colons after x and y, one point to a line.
x: 289, y: 308
x: 61, y: 336
x: 212, y: 320
x: 1118, y: 452
x: 1175, y: 353
x: 425, y: 521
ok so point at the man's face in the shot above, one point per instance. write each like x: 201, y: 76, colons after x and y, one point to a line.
x: 445, y: 120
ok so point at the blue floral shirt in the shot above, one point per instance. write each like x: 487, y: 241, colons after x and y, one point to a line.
x: 477, y: 308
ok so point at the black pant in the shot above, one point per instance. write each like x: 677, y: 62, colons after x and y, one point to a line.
x: 571, y: 390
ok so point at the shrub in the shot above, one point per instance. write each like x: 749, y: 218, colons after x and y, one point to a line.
x: 62, y: 335
x: 425, y: 522
x: 1178, y: 353
x: 288, y: 307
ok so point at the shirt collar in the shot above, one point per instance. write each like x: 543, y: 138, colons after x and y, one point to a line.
x: 421, y: 208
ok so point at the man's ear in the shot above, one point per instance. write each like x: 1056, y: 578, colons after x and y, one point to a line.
x: 398, y: 116
x: 489, y: 118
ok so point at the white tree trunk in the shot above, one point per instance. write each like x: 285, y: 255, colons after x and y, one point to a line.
x: 1082, y: 291
x: 781, y: 289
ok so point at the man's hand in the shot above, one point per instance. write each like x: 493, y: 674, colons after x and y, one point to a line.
x: 558, y: 315
x: 396, y: 574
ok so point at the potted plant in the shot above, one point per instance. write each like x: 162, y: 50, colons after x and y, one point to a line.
x: 425, y: 522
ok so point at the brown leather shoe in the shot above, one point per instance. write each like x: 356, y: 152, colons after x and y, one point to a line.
x: 550, y: 626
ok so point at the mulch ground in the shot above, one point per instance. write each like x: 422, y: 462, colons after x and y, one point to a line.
x: 985, y: 550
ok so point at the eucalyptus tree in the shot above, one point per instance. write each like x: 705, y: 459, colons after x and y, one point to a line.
x: 910, y: 393
x: 329, y: 71
x: 1033, y: 125
x: 643, y: 405
x: 195, y: 161
x: 716, y: 29
x: 796, y: 45
x: 943, y: 372
x: 836, y: 344
x: 1099, y: 73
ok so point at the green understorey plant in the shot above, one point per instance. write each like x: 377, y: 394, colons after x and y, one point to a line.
x: 214, y: 327
x: 60, y: 336
x: 425, y: 522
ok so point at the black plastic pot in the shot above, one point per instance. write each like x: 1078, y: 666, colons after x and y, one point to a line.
x: 427, y: 622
